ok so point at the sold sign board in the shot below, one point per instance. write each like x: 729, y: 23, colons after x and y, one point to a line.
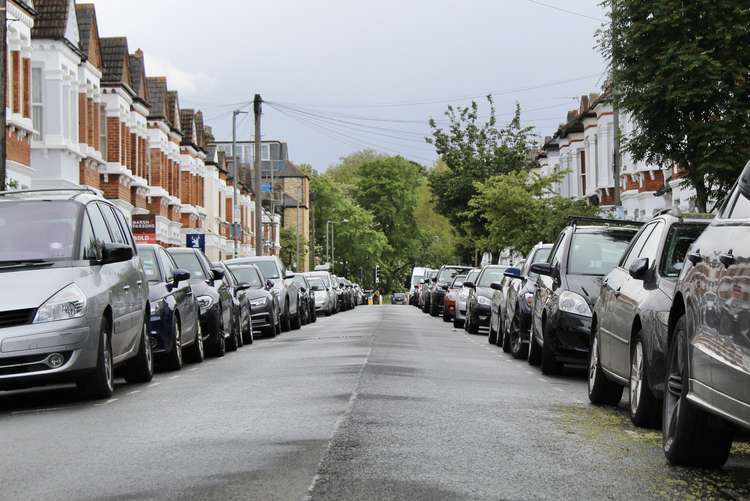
x: 144, y: 228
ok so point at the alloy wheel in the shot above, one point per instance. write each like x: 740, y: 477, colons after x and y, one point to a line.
x: 674, y: 390
x: 636, y: 376
x: 108, y: 370
x: 178, y: 343
x: 149, y: 352
x: 593, y: 362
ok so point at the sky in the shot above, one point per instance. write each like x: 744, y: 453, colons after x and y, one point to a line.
x: 339, y: 76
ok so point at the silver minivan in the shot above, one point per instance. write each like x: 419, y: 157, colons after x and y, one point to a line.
x: 73, y: 294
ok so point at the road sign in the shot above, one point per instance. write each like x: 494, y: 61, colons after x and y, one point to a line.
x: 196, y: 241
x: 265, y: 188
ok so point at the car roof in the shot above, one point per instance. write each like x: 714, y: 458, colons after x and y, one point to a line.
x: 182, y: 250
x: 81, y: 195
x: 605, y: 229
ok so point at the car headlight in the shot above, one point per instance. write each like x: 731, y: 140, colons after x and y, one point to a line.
x: 205, y: 302
x: 571, y: 302
x: 67, y: 303
x: 261, y: 301
x: 157, y: 307
x: 529, y: 298
x: 484, y: 300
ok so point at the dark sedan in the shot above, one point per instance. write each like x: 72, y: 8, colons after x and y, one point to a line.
x: 480, y: 297
x: 174, y: 320
x: 242, y: 325
x: 398, y: 298
x: 265, y: 311
x: 443, y: 280
x: 212, y: 294
x: 306, y: 297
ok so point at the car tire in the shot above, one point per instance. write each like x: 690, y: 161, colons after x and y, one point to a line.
x: 196, y: 353
x: 517, y: 347
x: 601, y: 390
x: 535, y: 351
x: 492, y: 337
x: 173, y: 360
x: 140, y: 369
x: 644, y: 406
x: 99, y: 384
x: 446, y: 315
x: 286, y: 320
x: 550, y: 365
x: 457, y: 324
x: 691, y: 436
x: 232, y: 342
x: 297, y: 322
x: 434, y: 311
x: 240, y: 329
x: 506, y: 343
x: 473, y: 327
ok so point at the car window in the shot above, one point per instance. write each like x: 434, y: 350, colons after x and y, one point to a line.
x: 229, y: 277
x: 651, y: 246
x: 150, y: 266
x: 268, y: 269
x: 88, y: 247
x: 679, y: 240
x: 741, y: 208
x: 491, y: 275
x: 114, y: 226
x: 447, y: 275
x: 472, y: 276
x: 38, y: 230
x: 283, y: 269
x: 540, y: 256
x: 247, y: 274
x: 189, y: 261
x: 316, y: 283
x: 636, y: 245
x: 557, y: 252
x: 597, y: 253
x: 125, y: 227
x: 167, y: 264
x: 101, y: 232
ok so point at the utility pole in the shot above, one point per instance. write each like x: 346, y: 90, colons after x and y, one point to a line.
x: 617, y: 157
x: 273, y: 213
x: 328, y: 245
x: 296, y: 256
x: 3, y: 85
x: 235, y: 180
x: 257, y: 109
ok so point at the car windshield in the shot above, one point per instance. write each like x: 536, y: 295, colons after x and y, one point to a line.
x: 300, y: 280
x: 458, y: 281
x: 447, y: 275
x: 150, y: 266
x: 541, y: 255
x: 472, y: 276
x: 38, y: 230
x: 597, y: 253
x: 491, y: 275
x: 268, y: 269
x: 316, y: 283
x: 247, y: 274
x: 679, y: 240
x: 189, y: 261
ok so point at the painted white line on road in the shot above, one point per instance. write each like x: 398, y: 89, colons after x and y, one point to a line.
x: 153, y: 385
x: 173, y: 377
x: 541, y: 379
x: 111, y: 400
x: 134, y: 392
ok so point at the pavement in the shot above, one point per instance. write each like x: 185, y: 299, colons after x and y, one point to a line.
x: 382, y: 402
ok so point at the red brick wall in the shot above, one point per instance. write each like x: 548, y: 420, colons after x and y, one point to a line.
x: 186, y: 184
x: 630, y: 184
x: 113, y: 189
x: 155, y: 207
x: 605, y: 199
x: 133, y: 150
x: 83, y: 118
x: 229, y: 214
x: 175, y: 214
x: 652, y: 184
x: 18, y: 150
x: 138, y: 200
x: 89, y: 175
x: 113, y: 139
x: 26, y: 87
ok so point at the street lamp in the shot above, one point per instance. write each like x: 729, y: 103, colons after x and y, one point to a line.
x: 333, y: 245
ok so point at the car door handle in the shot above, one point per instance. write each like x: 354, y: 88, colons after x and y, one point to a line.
x: 126, y: 287
x: 618, y: 291
x: 727, y: 259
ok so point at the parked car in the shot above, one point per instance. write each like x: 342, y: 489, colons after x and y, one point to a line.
x: 568, y: 287
x: 274, y: 270
x: 462, y: 297
x: 398, y: 298
x: 480, y: 297
x: 331, y: 303
x: 74, y: 295
x: 417, y: 275
x: 497, y: 302
x: 307, y: 297
x: 174, y: 323
x: 443, y: 280
x: 265, y: 311
x: 426, y: 292
x: 242, y: 324
x: 213, y: 296
x: 707, y: 392
x: 515, y: 323
x: 630, y: 321
x: 451, y: 298
x: 321, y: 294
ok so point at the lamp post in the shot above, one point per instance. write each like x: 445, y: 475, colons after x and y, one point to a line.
x: 333, y: 243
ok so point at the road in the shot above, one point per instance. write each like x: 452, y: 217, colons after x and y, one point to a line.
x: 382, y: 402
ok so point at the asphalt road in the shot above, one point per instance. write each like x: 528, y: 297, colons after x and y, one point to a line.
x: 382, y: 402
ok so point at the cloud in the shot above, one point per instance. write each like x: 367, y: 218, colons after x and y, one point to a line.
x: 188, y: 83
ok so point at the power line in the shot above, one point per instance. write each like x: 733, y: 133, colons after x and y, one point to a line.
x: 554, y: 7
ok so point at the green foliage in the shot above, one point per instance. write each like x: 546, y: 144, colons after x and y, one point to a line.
x: 518, y: 210
x: 346, y: 174
x: 288, y: 240
x: 438, y: 239
x: 681, y: 70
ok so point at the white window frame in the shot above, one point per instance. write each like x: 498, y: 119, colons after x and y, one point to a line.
x: 37, y: 105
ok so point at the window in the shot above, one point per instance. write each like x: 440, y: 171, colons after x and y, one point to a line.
x: 741, y: 207
x: 189, y: 261
x: 651, y: 247
x: 557, y: 252
x: 88, y: 249
x: 114, y: 227
x: 679, y: 240
x: 125, y: 227
x: 101, y: 233
x: 248, y: 274
x: 490, y: 275
x: 268, y: 269
x: 597, y: 253
x: 38, y: 230
x: 150, y: 266
x: 582, y: 155
x: 167, y: 263
x: 37, y: 104
x: 103, y: 131
x: 540, y: 256
x: 637, y: 245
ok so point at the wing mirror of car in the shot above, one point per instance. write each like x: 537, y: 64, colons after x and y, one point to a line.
x: 180, y: 276
x: 269, y: 285
x: 470, y: 285
x: 217, y: 274
x: 513, y: 272
x: 744, y: 183
x: 542, y: 269
x: 243, y: 286
x: 302, y: 290
x: 116, y: 253
x: 639, y: 268
x: 496, y: 286
x: 446, y: 287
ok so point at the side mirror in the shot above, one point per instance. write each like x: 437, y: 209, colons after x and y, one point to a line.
x: 302, y: 290
x: 180, y: 275
x: 446, y: 287
x: 217, y: 274
x: 496, y: 286
x: 116, y: 253
x: 639, y: 268
x: 243, y: 286
x: 744, y: 183
x: 542, y: 269
x: 269, y: 285
x: 513, y: 273
x: 470, y: 285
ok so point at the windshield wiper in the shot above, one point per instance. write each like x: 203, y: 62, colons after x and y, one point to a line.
x: 24, y: 263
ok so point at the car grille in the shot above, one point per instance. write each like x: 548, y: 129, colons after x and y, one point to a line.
x: 12, y: 318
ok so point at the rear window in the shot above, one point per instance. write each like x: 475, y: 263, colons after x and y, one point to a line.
x: 247, y: 274
x: 150, y: 266
x: 491, y: 275
x: 447, y: 275
x: 38, y: 230
x: 679, y: 240
x: 316, y: 283
x: 268, y: 269
x: 597, y: 253
x: 189, y: 261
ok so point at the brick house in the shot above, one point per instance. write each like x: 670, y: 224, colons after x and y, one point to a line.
x: 19, y: 124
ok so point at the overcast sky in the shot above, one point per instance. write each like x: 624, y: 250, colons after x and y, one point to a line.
x: 352, y: 74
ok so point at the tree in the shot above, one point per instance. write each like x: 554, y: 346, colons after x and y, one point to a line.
x: 437, y: 236
x: 680, y: 68
x: 346, y: 172
x: 519, y: 210
x: 288, y: 241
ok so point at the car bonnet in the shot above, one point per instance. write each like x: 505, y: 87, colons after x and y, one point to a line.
x: 29, y: 288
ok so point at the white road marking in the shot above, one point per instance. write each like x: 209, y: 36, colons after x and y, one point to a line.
x: 174, y: 377
x: 134, y: 392
x: 111, y: 400
x: 152, y: 385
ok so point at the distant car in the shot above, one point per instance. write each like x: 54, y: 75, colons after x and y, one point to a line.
x: 265, y: 311
x: 568, y: 287
x: 480, y: 297
x: 707, y: 390
x: 74, y: 298
x: 242, y: 324
x: 398, y: 298
x: 443, y: 280
x: 307, y: 296
x: 417, y: 274
x: 497, y: 303
x: 426, y: 292
x: 462, y: 297
x: 213, y: 295
x: 331, y: 302
x: 174, y: 324
x: 450, y: 300
x: 321, y: 295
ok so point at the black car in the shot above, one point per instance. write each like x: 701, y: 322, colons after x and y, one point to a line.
x: 707, y: 391
x: 307, y: 298
x: 443, y: 281
x: 568, y: 287
x: 398, y: 298
x: 174, y: 322
x: 265, y: 311
x: 426, y: 290
x: 480, y: 297
x: 631, y: 317
x: 515, y: 319
x: 212, y: 294
x: 242, y: 325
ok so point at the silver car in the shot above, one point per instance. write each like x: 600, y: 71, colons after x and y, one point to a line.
x: 73, y: 294
x: 332, y: 298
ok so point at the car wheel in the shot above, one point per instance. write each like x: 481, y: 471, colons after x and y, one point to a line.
x: 313, y: 316
x: 219, y: 342
x: 517, y: 346
x: 240, y: 330
x: 174, y: 360
x: 457, y: 324
x: 506, y: 340
x: 602, y: 391
x: 100, y: 383
x: 644, y: 407
x: 691, y: 436
x: 286, y: 319
x: 535, y: 351
x: 140, y: 369
x: 197, y: 353
x: 473, y: 326
x: 492, y: 338
x: 434, y: 309
x: 550, y: 365
x: 232, y: 342
x: 297, y: 322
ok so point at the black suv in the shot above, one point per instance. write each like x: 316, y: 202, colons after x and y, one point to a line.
x: 708, y: 363
x: 444, y: 280
x: 568, y: 287
x: 629, y: 327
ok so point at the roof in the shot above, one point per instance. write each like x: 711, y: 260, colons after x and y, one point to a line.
x: 137, y: 73
x: 156, y: 95
x: 85, y: 13
x: 173, y: 107
x: 115, y: 59
x: 187, y: 120
x: 51, y: 19
x: 288, y: 169
x: 200, y: 129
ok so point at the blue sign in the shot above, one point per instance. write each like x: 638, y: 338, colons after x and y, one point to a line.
x: 196, y: 241
x: 265, y: 187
